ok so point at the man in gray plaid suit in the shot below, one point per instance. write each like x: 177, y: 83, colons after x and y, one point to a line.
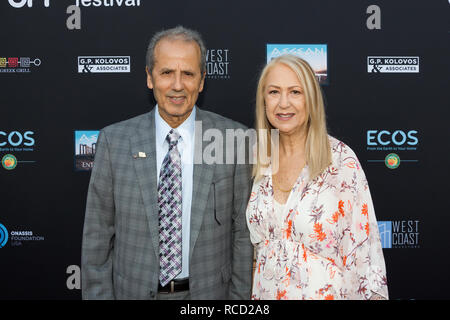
x: 159, y: 225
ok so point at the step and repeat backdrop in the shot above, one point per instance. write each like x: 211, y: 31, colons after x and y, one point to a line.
x: 69, y: 68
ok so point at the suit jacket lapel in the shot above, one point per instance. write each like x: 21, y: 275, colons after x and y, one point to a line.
x: 203, y: 174
x: 143, y: 150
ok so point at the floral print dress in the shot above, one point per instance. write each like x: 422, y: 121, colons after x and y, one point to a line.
x: 325, y: 243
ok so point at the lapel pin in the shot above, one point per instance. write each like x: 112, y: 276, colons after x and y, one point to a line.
x: 142, y: 155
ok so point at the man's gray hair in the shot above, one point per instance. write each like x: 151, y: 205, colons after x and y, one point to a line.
x: 177, y: 33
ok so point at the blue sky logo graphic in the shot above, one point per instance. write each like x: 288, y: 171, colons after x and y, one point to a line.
x: 3, y: 235
x: 385, y: 229
x: 315, y: 54
x: 85, y: 146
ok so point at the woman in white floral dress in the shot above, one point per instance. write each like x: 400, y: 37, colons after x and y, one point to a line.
x: 310, y: 213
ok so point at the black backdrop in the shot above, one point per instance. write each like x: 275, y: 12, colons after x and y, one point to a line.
x: 43, y: 197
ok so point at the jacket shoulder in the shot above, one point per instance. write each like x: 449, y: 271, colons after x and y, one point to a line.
x: 221, y: 122
x: 127, y: 127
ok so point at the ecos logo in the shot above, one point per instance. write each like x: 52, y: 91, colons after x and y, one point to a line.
x: 29, y: 3
x: 395, y: 140
x: 16, y: 138
x: 393, y: 144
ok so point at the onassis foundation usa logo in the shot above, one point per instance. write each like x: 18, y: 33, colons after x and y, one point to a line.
x: 380, y: 64
x: 17, y: 237
x: 103, y: 64
x: 3, y: 235
x: 85, y: 146
x: 314, y: 54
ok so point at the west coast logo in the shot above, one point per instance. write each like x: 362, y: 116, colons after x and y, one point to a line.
x: 380, y: 64
x: 218, y: 64
x: 399, y: 234
x: 103, y: 64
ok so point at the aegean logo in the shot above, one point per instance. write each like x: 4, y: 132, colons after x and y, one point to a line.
x: 85, y: 146
x: 314, y: 54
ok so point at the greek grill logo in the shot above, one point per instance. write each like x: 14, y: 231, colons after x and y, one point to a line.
x: 103, y: 64
x: 3, y: 235
x: 379, y: 64
x: 18, y: 64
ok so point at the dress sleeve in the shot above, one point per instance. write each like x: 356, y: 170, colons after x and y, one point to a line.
x: 255, y: 221
x: 365, y: 270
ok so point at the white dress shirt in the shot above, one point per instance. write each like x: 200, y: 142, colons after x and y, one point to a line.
x: 186, y: 149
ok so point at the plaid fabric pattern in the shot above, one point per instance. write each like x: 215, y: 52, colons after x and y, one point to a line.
x: 120, y: 249
x: 170, y: 212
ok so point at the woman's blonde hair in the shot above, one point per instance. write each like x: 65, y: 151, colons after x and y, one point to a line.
x: 317, y: 146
